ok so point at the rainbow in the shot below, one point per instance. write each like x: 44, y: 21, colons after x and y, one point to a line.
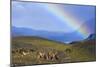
x: 68, y: 18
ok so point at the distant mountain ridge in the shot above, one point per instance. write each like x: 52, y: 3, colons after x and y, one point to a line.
x: 56, y: 36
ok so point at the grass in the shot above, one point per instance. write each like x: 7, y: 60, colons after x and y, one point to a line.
x: 80, y: 51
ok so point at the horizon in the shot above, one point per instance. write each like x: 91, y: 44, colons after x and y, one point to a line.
x: 43, y: 30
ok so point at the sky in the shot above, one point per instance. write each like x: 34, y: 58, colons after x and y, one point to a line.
x: 50, y: 17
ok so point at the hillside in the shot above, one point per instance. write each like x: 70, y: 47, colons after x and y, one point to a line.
x: 27, y: 51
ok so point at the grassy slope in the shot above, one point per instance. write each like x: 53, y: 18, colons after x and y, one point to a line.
x: 84, y: 51
x: 39, y: 42
x: 81, y: 51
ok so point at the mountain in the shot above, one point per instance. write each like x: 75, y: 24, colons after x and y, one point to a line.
x: 56, y: 36
x: 91, y: 37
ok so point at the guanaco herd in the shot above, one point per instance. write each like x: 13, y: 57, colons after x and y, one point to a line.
x: 48, y: 55
x: 40, y: 54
